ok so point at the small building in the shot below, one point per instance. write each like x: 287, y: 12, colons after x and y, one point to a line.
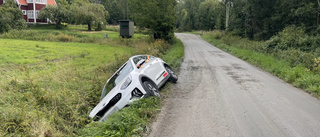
x: 126, y: 28
x: 26, y: 7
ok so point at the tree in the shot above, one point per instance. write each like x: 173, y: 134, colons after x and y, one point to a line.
x: 117, y: 10
x: 157, y: 15
x: 58, y: 14
x: 11, y: 17
x: 211, y: 15
x: 88, y: 13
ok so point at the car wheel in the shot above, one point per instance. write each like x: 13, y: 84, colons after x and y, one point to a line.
x: 151, y: 89
x: 173, y: 77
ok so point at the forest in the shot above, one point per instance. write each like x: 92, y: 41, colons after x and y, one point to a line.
x: 254, y: 19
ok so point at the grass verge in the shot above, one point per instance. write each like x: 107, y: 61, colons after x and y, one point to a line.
x: 245, y: 49
x: 135, y: 119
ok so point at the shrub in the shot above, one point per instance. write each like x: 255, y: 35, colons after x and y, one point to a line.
x: 292, y: 37
x: 65, y: 38
x: 316, y: 65
x: 296, y: 57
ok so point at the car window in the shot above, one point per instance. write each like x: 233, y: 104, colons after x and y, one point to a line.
x: 117, y: 77
x: 138, y: 58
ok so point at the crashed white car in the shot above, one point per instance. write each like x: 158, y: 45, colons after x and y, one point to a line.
x: 140, y: 77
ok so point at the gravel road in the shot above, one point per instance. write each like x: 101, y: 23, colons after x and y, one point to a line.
x: 218, y: 94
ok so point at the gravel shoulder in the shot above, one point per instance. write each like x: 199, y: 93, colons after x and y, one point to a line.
x: 218, y: 94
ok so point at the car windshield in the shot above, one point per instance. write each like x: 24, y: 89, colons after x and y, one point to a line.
x: 117, y: 77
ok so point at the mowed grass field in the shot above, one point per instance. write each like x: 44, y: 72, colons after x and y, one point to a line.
x: 51, y: 79
x: 23, y: 52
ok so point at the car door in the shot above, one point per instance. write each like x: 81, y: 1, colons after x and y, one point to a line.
x: 154, y: 69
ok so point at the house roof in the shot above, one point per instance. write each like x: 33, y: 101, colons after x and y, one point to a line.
x: 24, y: 2
x: 51, y: 2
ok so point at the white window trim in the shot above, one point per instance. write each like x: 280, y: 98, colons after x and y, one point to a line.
x: 30, y: 14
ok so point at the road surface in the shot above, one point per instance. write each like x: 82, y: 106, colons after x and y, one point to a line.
x: 218, y: 94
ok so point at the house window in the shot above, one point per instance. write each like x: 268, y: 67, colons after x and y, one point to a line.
x: 29, y: 1
x: 24, y: 12
x: 30, y: 14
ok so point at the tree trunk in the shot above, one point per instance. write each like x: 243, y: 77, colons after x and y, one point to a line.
x: 58, y: 24
x: 318, y: 13
x: 89, y: 27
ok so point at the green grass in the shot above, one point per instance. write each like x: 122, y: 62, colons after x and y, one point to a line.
x: 49, y: 87
x: 174, y: 56
x: 68, y: 36
x: 245, y: 49
x: 22, y: 52
x: 51, y: 79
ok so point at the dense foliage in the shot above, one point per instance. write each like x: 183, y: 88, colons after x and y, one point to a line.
x: 58, y: 14
x: 79, y: 12
x: 88, y: 13
x: 254, y: 19
x: 118, y: 10
x: 156, y: 15
x: 10, y: 17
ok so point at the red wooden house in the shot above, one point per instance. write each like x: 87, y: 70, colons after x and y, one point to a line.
x: 30, y: 8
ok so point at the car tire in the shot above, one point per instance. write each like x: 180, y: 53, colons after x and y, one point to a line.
x: 173, y: 77
x: 151, y: 89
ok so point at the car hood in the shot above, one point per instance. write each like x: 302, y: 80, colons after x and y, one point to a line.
x: 104, y: 102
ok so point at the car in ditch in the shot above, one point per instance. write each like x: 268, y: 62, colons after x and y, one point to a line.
x: 140, y: 77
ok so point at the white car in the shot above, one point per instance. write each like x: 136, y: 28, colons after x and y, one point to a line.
x: 140, y: 77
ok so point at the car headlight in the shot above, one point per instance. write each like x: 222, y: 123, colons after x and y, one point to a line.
x: 126, y: 83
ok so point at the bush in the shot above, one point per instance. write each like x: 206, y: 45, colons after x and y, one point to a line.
x: 294, y: 45
x: 292, y: 37
x: 65, y: 38
x: 11, y: 17
x: 296, y: 57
